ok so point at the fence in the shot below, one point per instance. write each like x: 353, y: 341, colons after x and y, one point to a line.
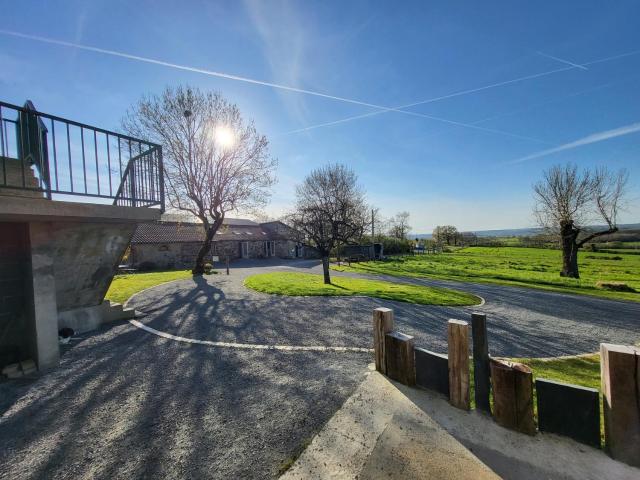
x: 563, y: 409
x: 50, y: 156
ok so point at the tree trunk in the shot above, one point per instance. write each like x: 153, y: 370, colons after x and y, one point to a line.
x: 210, y: 230
x: 325, y: 269
x: 569, y: 234
x: 198, y: 268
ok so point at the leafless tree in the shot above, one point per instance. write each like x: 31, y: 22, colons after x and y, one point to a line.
x: 399, y: 226
x: 330, y: 210
x: 568, y: 200
x: 378, y: 225
x: 446, y: 234
x: 214, y: 161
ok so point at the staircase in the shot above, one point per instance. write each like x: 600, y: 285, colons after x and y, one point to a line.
x: 18, y: 174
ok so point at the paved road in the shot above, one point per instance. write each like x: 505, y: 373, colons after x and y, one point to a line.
x: 129, y: 404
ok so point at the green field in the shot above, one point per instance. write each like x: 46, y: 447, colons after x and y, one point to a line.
x: 307, y: 284
x: 123, y: 286
x: 530, y: 267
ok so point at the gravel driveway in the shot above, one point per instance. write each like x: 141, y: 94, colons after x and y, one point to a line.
x: 522, y: 322
x: 125, y: 403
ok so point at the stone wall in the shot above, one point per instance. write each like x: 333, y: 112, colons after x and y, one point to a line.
x: 285, y: 248
x: 168, y: 256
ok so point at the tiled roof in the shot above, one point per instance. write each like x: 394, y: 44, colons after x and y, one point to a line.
x: 175, y: 232
x: 168, y: 232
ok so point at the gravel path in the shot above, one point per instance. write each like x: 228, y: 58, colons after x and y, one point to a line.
x: 522, y: 322
x: 126, y: 403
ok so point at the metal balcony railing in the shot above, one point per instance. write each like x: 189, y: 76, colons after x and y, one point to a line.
x: 49, y: 156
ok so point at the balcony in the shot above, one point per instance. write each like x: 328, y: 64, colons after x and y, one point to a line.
x: 45, y: 156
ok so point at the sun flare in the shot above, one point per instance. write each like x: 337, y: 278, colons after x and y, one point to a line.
x: 224, y: 136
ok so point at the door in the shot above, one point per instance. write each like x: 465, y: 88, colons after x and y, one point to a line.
x: 245, y: 249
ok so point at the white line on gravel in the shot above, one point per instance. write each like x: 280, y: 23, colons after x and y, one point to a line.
x: 249, y: 346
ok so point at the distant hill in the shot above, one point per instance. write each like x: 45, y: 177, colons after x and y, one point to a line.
x: 524, y: 232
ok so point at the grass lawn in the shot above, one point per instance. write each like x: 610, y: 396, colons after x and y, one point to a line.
x: 297, y: 284
x: 530, y: 267
x: 123, y: 286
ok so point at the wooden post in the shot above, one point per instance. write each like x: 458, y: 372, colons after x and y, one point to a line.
x: 227, y: 264
x: 382, y: 324
x: 458, y: 340
x: 620, y: 371
x: 481, y: 371
x: 513, y: 395
x: 399, y: 358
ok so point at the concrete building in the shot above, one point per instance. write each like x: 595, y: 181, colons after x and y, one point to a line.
x: 170, y: 244
x: 71, y: 196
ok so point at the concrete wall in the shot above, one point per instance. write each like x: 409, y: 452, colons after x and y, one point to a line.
x: 54, y: 274
x: 57, y: 260
x: 86, y: 257
x: 14, y: 259
x: 42, y: 308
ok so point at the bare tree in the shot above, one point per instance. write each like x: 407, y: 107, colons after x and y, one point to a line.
x: 567, y: 200
x: 446, y: 234
x: 330, y: 210
x: 378, y: 225
x: 214, y: 162
x: 399, y: 226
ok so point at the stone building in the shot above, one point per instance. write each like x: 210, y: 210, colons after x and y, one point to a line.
x: 167, y: 245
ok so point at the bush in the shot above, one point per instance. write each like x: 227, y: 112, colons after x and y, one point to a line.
x: 615, y: 286
x: 207, y: 268
x: 394, y: 246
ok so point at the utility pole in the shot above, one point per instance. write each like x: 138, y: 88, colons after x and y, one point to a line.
x: 373, y: 232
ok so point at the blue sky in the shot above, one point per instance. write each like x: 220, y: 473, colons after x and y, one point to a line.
x: 494, y: 98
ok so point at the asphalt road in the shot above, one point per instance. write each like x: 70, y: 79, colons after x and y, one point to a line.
x: 126, y: 403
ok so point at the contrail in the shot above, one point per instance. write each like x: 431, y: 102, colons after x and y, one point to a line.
x: 472, y: 125
x: 189, y: 69
x: 434, y: 99
x: 244, y: 79
x: 589, y: 139
x: 562, y: 61
x: 466, y: 92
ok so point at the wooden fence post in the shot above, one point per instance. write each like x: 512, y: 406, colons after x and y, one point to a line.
x: 458, y: 345
x: 513, y: 395
x: 382, y: 324
x: 481, y: 371
x: 400, y: 358
x: 620, y: 371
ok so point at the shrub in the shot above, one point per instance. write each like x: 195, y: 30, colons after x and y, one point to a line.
x: 207, y: 268
x: 615, y: 286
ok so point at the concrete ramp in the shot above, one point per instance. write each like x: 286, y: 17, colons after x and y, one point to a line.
x: 380, y: 433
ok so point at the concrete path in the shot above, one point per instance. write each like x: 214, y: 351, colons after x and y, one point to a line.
x: 380, y: 434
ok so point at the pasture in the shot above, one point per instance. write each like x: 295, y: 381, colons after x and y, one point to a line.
x: 528, y: 267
